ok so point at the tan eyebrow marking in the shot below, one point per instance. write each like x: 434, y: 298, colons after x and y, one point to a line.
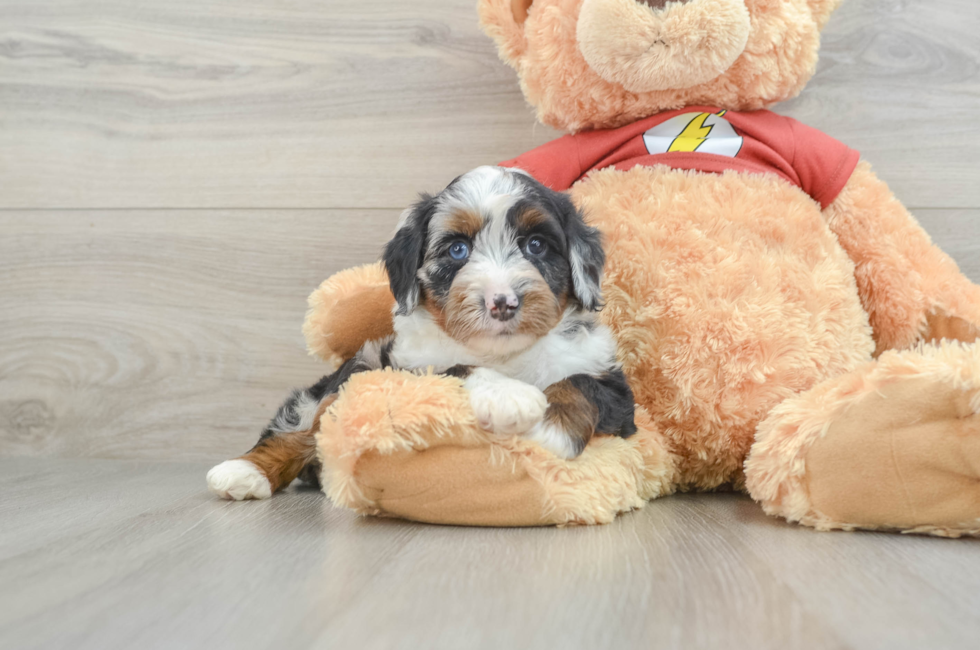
x: 464, y: 221
x: 529, y: 218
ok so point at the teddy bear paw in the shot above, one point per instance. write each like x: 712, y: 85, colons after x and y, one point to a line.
x: 237, y: 480
x: 502, y: 405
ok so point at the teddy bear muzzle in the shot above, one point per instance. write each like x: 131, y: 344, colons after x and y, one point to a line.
x: 647, y: 45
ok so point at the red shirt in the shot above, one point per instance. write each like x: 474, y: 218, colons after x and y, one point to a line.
x: 703, y: 139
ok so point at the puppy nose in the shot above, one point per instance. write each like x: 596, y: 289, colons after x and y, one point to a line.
x: 504, y: 306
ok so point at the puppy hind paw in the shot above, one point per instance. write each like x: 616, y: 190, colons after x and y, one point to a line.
x: 555, y: 439
x: 238, y: 480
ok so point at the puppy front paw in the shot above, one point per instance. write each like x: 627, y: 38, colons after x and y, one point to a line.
x: 237, y: 480
x: 502, y: 405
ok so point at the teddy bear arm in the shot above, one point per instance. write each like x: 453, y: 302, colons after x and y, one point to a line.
x: 910, y: 288
x: 350, y: 308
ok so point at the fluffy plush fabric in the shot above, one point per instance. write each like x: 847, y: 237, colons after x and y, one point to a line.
x: 901, y: 447
x: 908, y: 286
x: 680, y: 46
x: 400, y: 444
x: 735, y: 297
x: 778, y: 59
x: 349, y: 308
x: 746, y: 319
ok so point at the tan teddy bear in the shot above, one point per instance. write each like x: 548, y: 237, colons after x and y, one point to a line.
x: 778, y: 311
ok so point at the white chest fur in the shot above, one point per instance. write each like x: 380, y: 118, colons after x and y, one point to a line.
x: 578, y: 344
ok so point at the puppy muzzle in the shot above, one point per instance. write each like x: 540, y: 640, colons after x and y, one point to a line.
x: 503, y: 306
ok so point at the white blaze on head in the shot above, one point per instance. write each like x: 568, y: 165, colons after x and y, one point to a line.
x: 494, y: 268
x: 498, y: 259
x: 484, y: 188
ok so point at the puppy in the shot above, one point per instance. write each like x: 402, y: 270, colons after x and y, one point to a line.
x: 496, y: 281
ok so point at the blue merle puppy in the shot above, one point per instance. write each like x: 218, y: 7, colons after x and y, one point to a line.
x: 497, y: 282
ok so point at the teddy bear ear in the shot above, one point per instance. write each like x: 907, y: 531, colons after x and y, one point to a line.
x: 503, y: 21
x: 520, y: 8
x: 822, y: 9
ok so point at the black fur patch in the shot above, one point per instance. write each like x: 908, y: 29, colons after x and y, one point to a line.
x: 403, y: 255
x: 440, y: 275
x: 613, y: 398
x: 582, y: 243
x: 459, y: 371
x: 310, y: 474
x: 385, y: 353
x: 553, y: 264
x: 288, y: 417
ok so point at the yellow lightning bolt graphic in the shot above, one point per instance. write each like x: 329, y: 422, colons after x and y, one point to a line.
x: 693, y: 135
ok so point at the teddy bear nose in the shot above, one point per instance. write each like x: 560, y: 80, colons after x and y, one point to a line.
x: 647, y: 45
x: 659, y: 4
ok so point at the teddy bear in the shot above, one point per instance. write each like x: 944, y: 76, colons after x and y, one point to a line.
x: 786, y: 326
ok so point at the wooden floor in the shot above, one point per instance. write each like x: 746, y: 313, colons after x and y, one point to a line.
x: 107, y: 554
x: 176, y: 177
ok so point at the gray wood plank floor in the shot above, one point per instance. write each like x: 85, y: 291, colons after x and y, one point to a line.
x: 341, y: 103
x: 141, y: 333
x: 175, y: 177
x: 109, y: 554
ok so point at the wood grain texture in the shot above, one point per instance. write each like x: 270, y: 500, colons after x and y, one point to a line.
x: 248, y: 103
x: 147, y: 333
x: 176, y: 334
x: 142, y: 557
x: 245, y: 103
x: 899, y: 80
x: 958, y: 233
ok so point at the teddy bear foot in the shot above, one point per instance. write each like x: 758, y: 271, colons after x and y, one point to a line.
x: 894, y: 445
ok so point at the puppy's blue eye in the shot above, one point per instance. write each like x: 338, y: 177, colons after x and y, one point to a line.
x: 535, y: 246
x: 459, y: 251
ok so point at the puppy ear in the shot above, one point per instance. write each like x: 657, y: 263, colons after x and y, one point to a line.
x: 402, y: 256
x: 587, y: 258
x: 585, y: 254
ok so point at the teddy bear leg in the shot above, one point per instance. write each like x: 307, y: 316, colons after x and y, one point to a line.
x: 911, y: 290
x: 894, y: 445
x: 509, y: 484
x: 403, y: 445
